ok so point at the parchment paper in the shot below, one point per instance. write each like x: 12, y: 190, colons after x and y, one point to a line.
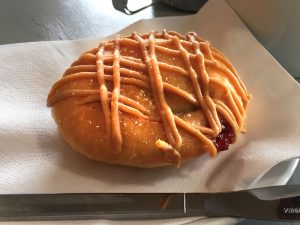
x: 35, y: 159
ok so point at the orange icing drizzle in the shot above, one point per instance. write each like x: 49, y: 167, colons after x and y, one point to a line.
x: 102, y: 89
x: 156, y: 82
x: 112, y: 102
x: 115, y: 119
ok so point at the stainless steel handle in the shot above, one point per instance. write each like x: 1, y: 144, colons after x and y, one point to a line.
x: 90, y: 206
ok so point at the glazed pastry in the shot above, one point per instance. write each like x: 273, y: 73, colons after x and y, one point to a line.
x: 150, y: 100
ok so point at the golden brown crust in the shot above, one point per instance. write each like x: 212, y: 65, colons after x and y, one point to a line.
x: 83, y: 127
x: 78, y: 109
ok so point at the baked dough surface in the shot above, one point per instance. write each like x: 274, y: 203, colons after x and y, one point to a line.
x: 135, y: 100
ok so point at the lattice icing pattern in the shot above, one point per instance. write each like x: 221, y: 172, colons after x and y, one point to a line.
x: 152, y: 62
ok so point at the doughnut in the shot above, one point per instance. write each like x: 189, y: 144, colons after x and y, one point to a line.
x: 150, y: 100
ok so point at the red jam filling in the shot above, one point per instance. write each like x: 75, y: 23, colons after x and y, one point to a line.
x: 225, y: 138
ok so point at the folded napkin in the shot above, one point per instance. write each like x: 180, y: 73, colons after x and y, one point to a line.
x: 35, y: 159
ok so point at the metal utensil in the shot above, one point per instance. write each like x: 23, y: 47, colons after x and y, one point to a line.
x: 270, y: 203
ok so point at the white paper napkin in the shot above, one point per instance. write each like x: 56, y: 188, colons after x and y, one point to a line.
x: 35, y: 159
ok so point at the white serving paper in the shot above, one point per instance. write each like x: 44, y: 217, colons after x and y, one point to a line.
x: 35, y: 159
